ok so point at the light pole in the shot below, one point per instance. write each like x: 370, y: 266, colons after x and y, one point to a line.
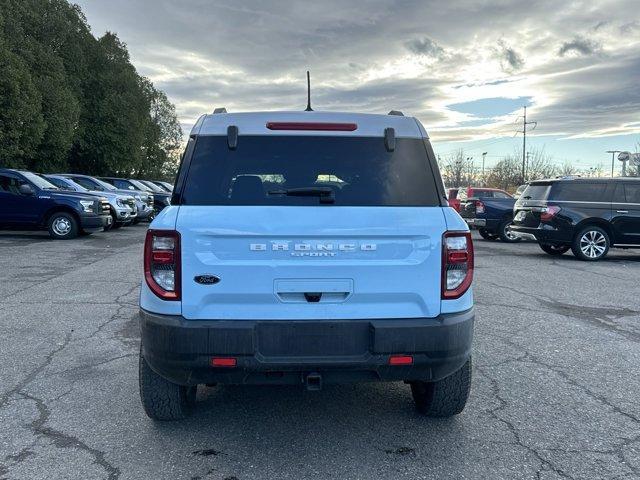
x: 613, y: 159
x: 484, y: 154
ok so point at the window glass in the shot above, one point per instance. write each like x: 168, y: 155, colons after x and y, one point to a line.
x: 501, y: 195
x: 10, y: 184
x: 632, y: 192
x: 536, y: 191
x: 578, y: 191
x: 266, y: 170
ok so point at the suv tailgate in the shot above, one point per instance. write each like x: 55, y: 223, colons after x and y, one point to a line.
x: 351, y: 262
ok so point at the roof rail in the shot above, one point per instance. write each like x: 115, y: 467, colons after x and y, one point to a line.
x: 396, y: 112
x: 220, y: 110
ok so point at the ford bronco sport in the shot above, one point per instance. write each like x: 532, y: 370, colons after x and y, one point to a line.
x: 307, y: 248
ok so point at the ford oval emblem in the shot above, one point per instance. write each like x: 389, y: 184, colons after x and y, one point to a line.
x: 206, y: 279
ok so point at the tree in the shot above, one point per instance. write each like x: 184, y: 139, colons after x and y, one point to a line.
x: 456, y: 170
x: 163, y: 136
x: 69, y: 101
x: 506, y: 174
x: 21, y: 123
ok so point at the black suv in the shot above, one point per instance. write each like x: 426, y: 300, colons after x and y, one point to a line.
x: 585, y: 215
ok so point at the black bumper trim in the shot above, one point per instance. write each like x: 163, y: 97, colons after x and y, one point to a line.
x: 94, y: 222
x: 283, y: 352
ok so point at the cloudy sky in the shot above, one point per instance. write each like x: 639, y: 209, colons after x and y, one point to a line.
x: 464, y: 67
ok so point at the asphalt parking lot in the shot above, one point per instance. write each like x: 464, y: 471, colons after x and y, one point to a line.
x: 555, y: 389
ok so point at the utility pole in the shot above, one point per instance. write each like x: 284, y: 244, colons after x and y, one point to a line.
x: 527, y: 169
x: 484, y: 182
x: 524, y: 141
x: 613, y: 159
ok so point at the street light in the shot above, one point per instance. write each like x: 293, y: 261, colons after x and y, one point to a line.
x: 484, y: 154
x: 613, y: 159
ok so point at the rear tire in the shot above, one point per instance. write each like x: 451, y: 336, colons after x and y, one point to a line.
x: 505, y: 234
x: 484, y: 233
x: 62, y: 226
x: 554, y: 249
x: 161, y: 399
x: 446, y: 397
x: 591, y: 244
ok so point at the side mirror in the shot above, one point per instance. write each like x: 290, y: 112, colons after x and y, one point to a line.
x: 26, y: 189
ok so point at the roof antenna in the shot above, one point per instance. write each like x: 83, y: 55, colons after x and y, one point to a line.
x: 308, y: 109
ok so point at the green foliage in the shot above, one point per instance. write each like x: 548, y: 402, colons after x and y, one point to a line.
x: 71, y: 102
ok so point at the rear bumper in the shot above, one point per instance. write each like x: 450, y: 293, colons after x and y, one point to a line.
x: 285, y: 352
x: 544, y: 235
x: 476, y: 222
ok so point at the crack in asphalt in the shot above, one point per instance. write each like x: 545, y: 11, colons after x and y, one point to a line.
x: 598, y: 316
x: 4, y: 399
x: 527, y: 357
x: 122, y: 305
x: 502, y: 404
x: 65, y: 440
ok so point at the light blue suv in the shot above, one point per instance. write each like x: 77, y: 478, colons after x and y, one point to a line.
x: 307, y: 248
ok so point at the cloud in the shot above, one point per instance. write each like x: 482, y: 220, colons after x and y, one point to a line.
x: 424, y: 46
x: 510, y: 60
x: 378, y: 55
x: 580, y: 46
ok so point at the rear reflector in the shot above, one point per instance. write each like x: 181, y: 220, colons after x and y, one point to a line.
x: 223, y: 362
x: 400, y: 360
x: 162, y: 257
x: 331, y: 127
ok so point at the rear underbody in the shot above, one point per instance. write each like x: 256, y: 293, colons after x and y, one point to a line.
x: 305, y: 351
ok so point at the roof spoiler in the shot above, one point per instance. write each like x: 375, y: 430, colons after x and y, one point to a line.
x: 220, y: 110
x: 396, y: 112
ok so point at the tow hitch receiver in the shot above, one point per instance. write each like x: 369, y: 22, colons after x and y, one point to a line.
x: 313, y: 381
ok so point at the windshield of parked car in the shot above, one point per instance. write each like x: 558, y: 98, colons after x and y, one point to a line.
x: 66, y: 184
x: 105, y: 185
x: 308, y: 170
x: 140, y: 186
x: 39, y: 182
x: 152, y: 186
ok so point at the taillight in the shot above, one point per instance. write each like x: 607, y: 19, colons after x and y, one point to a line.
x: 547, y: 213
x: 457, y: 264
x: 479, y: 206
x: 162, y: 263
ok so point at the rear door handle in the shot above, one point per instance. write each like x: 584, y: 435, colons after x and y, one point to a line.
x: 622, y: 211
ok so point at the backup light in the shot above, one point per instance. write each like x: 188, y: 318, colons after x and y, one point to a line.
x: 547, y: 213
x: 457, y: 264
x: 162, y: 263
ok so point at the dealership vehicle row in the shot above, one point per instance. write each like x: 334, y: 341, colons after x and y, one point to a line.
x: 68, y: 205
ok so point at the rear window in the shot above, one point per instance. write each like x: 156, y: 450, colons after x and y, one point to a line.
x: 536, y: 191
x: 358, y: 170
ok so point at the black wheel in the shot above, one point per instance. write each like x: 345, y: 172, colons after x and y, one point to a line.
x: 591, y: 244
x: 446, y: 397
x: 484, y: 233
x: 506, y: 235
x: 161, y: 399
x: 554, y: 249
x: 62, y: 226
